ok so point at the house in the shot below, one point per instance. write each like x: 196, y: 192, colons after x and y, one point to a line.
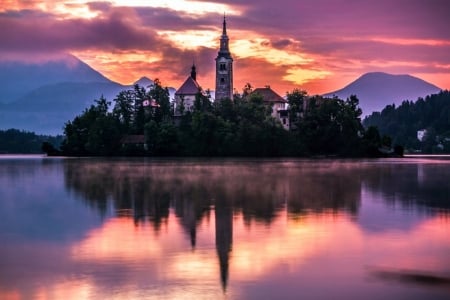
x: 278, y: 104
x: 421, y: 134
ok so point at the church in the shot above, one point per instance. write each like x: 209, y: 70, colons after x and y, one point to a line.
x: 185, y: 95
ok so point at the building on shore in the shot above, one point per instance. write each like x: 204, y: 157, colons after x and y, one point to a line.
x: 278, y: 104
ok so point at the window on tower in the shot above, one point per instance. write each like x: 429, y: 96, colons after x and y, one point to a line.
x: 222, y: 80
x: 222, y: 67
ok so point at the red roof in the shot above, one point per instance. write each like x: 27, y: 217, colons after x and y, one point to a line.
x: 189, y: 87
x: 269, y: 96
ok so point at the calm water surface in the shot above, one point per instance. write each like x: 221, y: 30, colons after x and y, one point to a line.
x: 224, y: 229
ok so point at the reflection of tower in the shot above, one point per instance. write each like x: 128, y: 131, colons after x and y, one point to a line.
x: 224, y: 238
x: 224, y: 68
x: 185, y: 209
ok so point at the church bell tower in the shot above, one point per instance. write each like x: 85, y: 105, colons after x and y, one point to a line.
x: 224, y: 68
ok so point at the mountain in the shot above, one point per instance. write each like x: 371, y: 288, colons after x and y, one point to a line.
x: 376, y: 90
x: 42, y: 97
x: 144, y: 81
x: 20, y: 78
x: 45, y: 110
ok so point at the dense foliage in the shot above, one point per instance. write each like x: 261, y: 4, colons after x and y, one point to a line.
x: 23, y: 142
x: 140, y: 122
x: 402, y: 123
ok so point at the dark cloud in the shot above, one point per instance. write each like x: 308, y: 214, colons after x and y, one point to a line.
x: 404, y: 18
x: 115, y: 31
x: 281, y: 44
x: 165, y: 19
x: 376, y: 50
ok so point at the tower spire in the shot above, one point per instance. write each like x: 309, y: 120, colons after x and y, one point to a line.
x: 193, y: 72
x: 224, y: 30
x: 224, y: 48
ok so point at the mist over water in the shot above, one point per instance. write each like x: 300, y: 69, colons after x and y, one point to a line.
x: 234, y: 228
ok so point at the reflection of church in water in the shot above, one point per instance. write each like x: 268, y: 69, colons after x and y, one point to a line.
x: 224, y: 237
x: 191, y: 211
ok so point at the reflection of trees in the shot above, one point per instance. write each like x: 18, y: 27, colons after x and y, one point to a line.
x: 323, y: 187
x: 411, y: 185
x: 146, y: 190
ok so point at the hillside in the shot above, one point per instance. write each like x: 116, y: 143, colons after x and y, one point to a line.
x: 376, y: 90
x: 16, y: 141
x: 402, y: 123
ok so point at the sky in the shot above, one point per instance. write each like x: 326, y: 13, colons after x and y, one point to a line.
x: 315, y: 45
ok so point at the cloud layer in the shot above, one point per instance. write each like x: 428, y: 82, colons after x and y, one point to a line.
x: 318, y: 45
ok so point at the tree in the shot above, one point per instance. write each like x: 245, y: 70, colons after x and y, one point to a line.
x: 296, y: 100
x: 94, y: 132
x: 163, y: 111
x: 123, y: 110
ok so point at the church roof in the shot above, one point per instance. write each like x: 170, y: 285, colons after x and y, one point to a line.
x: 269, y: 96
x: 189, y: 87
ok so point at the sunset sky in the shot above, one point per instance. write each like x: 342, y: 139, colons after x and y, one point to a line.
x: 317, y: 45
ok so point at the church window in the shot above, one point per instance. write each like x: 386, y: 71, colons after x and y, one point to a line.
x: 222, y: 80
x: 222, y: 67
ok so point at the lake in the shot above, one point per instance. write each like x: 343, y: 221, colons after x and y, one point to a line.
x: 97, y: 228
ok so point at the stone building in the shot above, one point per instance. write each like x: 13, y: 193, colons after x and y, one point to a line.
x: 224, y: 68
x: 278, y: 104
x: 185, y: 95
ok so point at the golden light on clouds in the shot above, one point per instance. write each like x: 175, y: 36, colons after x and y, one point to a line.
x: 124, y: 67
x: 60, y: 8
x: 301, y: 75
x: 191, y: 39
x: 185, y: 6
x: 69, y: 9
x: 259, y: 47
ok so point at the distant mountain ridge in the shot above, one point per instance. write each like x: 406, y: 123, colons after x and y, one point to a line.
x: 42, y: 97
x: 377, y: 89
x: 19, y: 78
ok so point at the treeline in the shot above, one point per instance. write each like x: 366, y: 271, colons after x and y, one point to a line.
x: 402, y: 123
x: 24, y: 142
x: 141, y: 122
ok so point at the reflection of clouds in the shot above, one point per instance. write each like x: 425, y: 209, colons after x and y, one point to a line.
x: 118, y: 240
x: 426, y: 247
x: 257, y: 249
x: 286, y: 242
x: 121, y: 260
x: 67, y: 290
